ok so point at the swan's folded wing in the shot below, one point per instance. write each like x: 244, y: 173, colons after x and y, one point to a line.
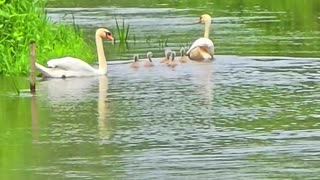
x: 69, y: 64
x: 202, y: 42
x: 50, y: 72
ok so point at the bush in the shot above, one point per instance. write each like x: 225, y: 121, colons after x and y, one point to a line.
x: 23, y: 21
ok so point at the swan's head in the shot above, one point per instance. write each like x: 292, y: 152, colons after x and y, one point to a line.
x: 173, y: 55
x: 136, y: 57
x: 149, y: 56
x: 205, y: 18
x: 182, y: 51
x: 105, y: 33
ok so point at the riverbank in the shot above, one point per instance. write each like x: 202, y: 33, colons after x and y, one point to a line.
x: 21, y: 22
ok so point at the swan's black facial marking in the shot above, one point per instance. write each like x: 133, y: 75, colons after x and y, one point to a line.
x: 108, y: 34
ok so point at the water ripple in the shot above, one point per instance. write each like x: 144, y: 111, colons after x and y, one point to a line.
x: 237, y: 113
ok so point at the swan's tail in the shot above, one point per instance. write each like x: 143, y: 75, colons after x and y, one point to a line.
x: 55, y: 72
x: 44, y: 70
x: 41, y: 68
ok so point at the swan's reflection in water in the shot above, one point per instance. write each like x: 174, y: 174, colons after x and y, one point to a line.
x: 199, y: 74
x: 103, y: 123
x: 73, y: 96
x: 202, y: 81
x: 69, y: 91
x: 206, y: 84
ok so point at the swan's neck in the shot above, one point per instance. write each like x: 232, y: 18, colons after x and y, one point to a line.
x: 101, y: 56
x: 207, y: 25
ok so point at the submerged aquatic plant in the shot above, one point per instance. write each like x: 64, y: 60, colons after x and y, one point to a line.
x: 148, y: 40
x: 123, y: 31
x: 21, y: 21
x: 15, y: 87
x: 15, y: 84
x: 163, y: 41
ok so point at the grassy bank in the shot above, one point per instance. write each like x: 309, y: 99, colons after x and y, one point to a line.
x: 23, y: 21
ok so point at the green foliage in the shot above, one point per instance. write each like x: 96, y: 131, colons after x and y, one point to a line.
x: 23, y: 21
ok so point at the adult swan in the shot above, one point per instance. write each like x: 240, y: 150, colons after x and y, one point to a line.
x: 202, y: 48
x: 73, y: 67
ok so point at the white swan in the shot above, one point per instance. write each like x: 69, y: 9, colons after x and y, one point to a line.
x: 74, y: 67
x: 202, y: 48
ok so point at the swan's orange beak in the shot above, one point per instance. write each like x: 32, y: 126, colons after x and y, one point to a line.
x: 199, y: 21
x: 110, y: 37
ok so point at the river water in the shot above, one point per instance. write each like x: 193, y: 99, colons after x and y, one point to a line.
x: 251, y: 114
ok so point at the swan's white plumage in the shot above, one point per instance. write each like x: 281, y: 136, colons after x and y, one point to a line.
x: 68, y: 67
x: 62, y: 73
x: 70, y: 64
x: 203, y: 43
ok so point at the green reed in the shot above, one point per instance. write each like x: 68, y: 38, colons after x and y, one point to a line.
x: 15, y: 86
x: 22, y: 21
x: 163, y: 41
x: 123, y: 31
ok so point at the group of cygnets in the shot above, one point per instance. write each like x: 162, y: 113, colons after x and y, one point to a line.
x: 169, y: 59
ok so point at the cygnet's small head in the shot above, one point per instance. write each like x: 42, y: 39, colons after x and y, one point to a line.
x: 149, y: 56
x: 136, y: 57
x: 168, y: 54
x: 173, y: 55
x: 166, y: 51
x: 205, y: 18
x: 105, y: 33
x: 182, y: 52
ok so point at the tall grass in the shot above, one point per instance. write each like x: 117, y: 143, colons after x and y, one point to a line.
x: 23, y: 21
x: 15, y: 86
x: 123, y: 31
x: 163, y: 41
